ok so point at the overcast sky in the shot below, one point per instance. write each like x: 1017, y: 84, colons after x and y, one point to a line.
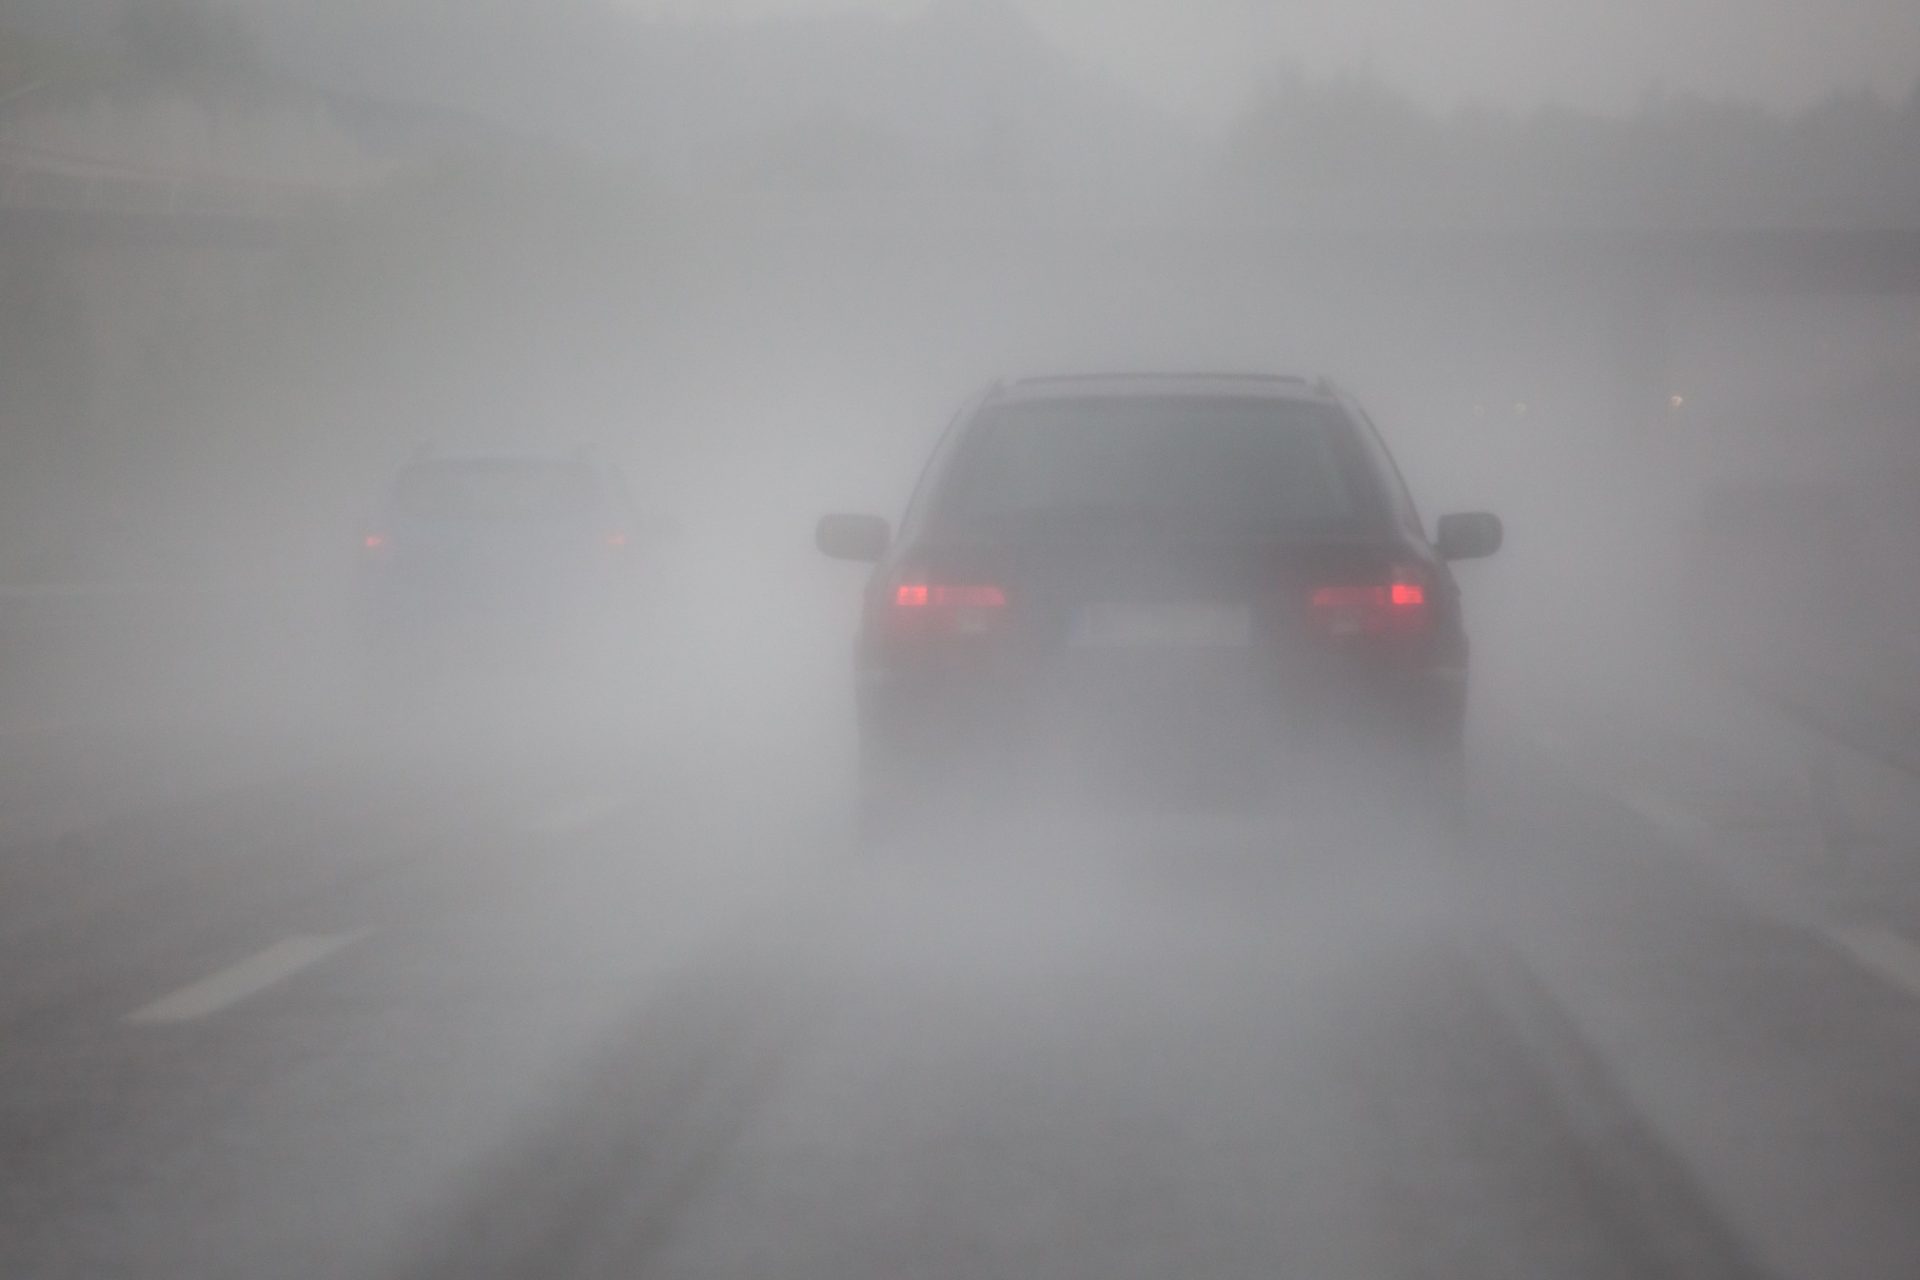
x: 1205, y: 56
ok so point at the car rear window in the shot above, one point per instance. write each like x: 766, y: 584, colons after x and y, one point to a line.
x: 1219, y: 464
x: 490, y: 489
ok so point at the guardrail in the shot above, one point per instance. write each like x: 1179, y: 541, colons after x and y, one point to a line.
x: 36, y: 179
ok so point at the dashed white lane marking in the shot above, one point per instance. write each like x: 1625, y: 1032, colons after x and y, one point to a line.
x: 238, y: 981
x: 1885, y: 954
x: 1547, y: 739
x: 46, y: 728
x: 1882, y: 952
x: 580, y: 815
x: 1665, y: 814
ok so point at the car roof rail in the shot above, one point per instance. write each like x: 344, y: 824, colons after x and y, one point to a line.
x: 1208, y: 375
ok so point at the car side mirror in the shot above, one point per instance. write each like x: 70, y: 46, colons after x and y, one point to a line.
x: 1469, y: 535
x: 851, y: 537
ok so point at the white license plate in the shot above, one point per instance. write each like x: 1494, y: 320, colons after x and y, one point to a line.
x: 1164, y: 625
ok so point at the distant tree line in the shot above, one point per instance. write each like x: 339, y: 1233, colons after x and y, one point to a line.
x: 1345, y: 148
x: 1354, y: 143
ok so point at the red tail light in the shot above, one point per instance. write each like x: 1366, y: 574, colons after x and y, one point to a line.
x: 940, y: 608
x: 1395, y: 607
x: 921, y: 595
x: 373, y: 543
x: 616, y: 539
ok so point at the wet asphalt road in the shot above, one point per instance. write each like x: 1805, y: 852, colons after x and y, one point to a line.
x: 545, y: 1008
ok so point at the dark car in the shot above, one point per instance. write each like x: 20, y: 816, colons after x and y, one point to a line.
x: 485, y: 555
x: 1153, y: 581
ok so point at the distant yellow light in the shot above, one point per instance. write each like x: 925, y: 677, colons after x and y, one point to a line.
x: 1674, y: 402
x: 1520, y: 409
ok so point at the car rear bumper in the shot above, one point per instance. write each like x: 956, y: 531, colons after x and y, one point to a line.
x: 1124, y: 725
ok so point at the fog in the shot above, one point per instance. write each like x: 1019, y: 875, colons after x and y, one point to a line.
x: 1651, y: 296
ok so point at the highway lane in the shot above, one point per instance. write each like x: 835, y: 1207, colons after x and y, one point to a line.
x: 410, y: 869
x: 546, y: 1007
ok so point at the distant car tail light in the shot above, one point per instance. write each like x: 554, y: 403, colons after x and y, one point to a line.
x: 921, y: 595
x: 373, y: 543
x: 616, y: 540
x: 1395, y: 607
x: 940, y: 608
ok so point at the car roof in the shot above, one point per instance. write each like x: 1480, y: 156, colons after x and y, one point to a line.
x: 1102, y: 386
x: 504, y: 457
